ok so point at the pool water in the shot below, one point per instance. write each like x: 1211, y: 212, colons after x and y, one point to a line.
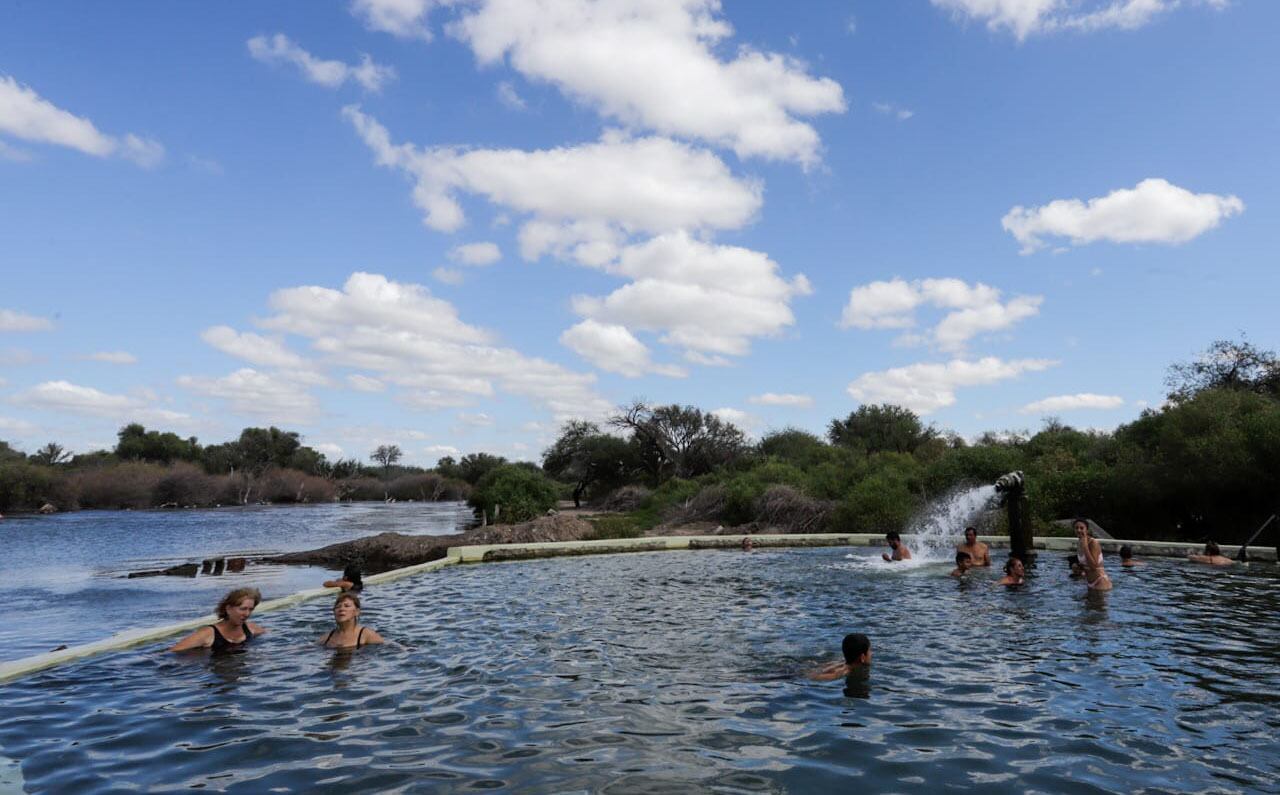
x: 679, y: 672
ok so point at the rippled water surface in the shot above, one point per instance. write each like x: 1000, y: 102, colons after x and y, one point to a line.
x: 64, y: 575
x: 680, y: 672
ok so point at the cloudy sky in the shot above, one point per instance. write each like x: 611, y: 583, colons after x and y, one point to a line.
x: 452, y: 224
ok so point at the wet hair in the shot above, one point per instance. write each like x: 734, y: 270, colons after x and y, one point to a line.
x: 893, y: 535
x: 974, y: 529
x: 1126, y: 552
x: 855, y: 645
x: 1212, y: 548
x: 349, y: 597
x: 236, y: 597
x: 962, y: 557
x: 1008, y: 564
x: 1081, y: 520
x: 352, y: 575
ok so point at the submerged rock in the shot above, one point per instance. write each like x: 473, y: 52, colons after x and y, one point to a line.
x: 387, y: 551
x: 183, y: 570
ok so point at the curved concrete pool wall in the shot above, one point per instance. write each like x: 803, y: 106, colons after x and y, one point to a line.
x: 512, y: 552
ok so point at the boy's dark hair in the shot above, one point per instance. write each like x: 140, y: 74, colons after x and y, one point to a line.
x: 893, y: 535
x: 1073, y: 561
x: 974, y: 529
x: 352, y: 575
x: 855, y: 645
x: 961, y: 557
x: 1212, y: 548
x: 1126, y: 552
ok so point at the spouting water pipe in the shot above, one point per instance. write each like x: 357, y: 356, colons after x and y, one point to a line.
x: 1012, y: 490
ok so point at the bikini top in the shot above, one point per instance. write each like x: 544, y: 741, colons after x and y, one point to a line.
x: 222, y: 644
x: 359, y: 638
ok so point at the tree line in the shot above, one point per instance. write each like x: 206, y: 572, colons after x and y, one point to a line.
x: 1204, y: 464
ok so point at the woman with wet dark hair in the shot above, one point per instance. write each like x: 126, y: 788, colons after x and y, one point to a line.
x: 1014, y: 572
x: 1090, y: 551
x: 350, y: 580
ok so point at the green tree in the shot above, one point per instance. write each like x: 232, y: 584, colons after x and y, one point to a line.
x: 511, y: 493
x: 882, y: 428
x: 51, y: 454
x: 1226, y: 365
x: 136, y: 443
x: 386, y: 455
x: 680, y: 441
x: 588, y: 459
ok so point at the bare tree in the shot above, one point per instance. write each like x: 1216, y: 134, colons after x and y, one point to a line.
x: 679, y: 441
x: 386, y: 455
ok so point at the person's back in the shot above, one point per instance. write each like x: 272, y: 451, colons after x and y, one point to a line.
x: 1212, y: 556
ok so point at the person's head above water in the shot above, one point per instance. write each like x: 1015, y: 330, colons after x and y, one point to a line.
x: 353, y: 575
x: 346, y: 607
x: 1211, y: 548
x: 856, y: 648
x: 235, y: 600
x: 962, y: 559
x: 970, y: 535
x: 893, y: 537
x: 1081, y: 523
x: 1126, y: 552
x: 1013, y: 567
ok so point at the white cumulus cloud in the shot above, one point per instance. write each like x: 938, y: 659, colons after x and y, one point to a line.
x: 782, y: 399
x: 280, y: 48
x: 275, y: 396
x: 657, y: 66
x: 404, y: 18
x: 1154, y: 211
x: 929, y: 386
x: 1084, y: 400
x: 477, y: 255
x: 114, y: 357
x: 615, y: 349
x: 11, y: 320
x: 25, y: 114
x: 253, y: 348
x: 1024, y: 18
x: 973, y: 309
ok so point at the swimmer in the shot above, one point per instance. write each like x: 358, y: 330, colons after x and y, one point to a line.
x: 1095, y: 576
x: 1126, y: 557
x: 349, y: 634
x: 963, y: 564
x: 1014, y: 572
x: 747, y: 545
x: 350, y: 580
x: 233, y: 631
x: 900, y: 551
x: 1212, y: 556
x: 1077, y: 568
x: 979, y: 552
x: 856, y: 648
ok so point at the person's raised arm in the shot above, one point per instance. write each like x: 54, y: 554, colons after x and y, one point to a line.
x: 343, y: 584
x: 200, y: 639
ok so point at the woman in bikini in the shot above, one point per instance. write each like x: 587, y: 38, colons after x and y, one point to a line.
x: 349, y: 634
x: 233, y: 631
x: 1090, y: 552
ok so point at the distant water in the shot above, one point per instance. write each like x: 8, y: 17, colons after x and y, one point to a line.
x: 677, y: 672
x: 64, y: 574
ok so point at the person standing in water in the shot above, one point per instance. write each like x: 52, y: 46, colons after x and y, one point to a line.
x: 1090, y: 551
x: 900, y: 551
x: 233, y: 631
x: 348, y: 634
x: 856, y: 649
x: 979, y: 553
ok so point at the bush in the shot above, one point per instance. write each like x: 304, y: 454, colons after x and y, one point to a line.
x: 707, y: 504
x: 292, y: 485
x: 615, y: 527
x: 186, y: 484
x: 25, y: 487
x: 791, y: 511
x: 512, y: 494
x: 627, y: 498
x: 129, y: 485
x: 361, y: 488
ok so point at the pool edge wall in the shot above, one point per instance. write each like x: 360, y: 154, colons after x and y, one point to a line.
x: 494, y: 553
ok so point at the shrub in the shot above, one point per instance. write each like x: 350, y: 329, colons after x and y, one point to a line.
x: 25, y: 487
x: 292, y: 485
x: 791, y: 511
x: 707, y: 504
x: 362, y: 488
x: 615, y: 527
x: 129, y: 485
x: 513, y: 494
x: 627, y: 498
x: 186, y: 484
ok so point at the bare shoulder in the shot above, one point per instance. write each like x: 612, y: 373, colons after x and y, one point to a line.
x: 257, y: 629
x: 372, y: 636
x: 200, y: 639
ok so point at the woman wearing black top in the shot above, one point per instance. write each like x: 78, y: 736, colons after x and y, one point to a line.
x: 233, y: 631
x: 349, y: 634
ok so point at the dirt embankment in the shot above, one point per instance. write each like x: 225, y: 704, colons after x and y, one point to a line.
x: 387, y: 551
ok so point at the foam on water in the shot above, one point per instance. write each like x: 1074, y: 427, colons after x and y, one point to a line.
x: 937, y: 530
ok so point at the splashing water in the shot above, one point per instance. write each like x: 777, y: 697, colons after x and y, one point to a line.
x: 940, y: 526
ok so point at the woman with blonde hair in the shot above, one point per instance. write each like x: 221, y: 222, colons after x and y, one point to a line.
x: 233, y: 630
x: 348, y: 634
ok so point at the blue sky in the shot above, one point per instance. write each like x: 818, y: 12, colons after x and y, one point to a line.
x: 454, y: 225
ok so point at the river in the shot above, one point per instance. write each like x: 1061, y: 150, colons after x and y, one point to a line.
x: 65, y: 574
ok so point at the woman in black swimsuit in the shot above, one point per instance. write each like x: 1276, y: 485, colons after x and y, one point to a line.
x: 233, y: 631
x: 349, y: 634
